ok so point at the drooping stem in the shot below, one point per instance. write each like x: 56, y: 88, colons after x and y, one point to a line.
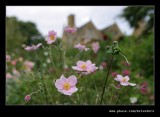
x: 34, y: 92
x: 106, y: 79
x: 125, y: 58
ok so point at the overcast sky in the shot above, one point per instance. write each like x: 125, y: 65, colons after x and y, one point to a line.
x: 55, y: 17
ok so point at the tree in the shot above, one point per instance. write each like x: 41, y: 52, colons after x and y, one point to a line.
x: 19, y: 32
x: 28, y: 29
x: 135, y: 14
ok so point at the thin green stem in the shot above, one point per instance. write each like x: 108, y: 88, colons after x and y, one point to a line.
x: 53, y: 65
x: 74, y: 61
x: 95, y: 85
x: 34, y: 92
x: 117, y: 98
x: 63, y: 61
x: 95, y: 88
x: 86, y: 54
x: 111, y: 98
x: 49, y: 95
x: 106, y: 79
x: 43, y: 96
x: 45, y: 90
x: 85, y: 87
x: 78, y: 98
x: 41, y: 62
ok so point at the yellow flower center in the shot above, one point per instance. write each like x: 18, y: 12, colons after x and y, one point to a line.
x: 66, y: 86
x: 52, y: 37
x: 83, y: 66
x: 124, y: 80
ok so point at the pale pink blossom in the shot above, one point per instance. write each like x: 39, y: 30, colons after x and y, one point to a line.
x: 67, y: 86
x: 28, y: 65
x: 70, y: 30
x: 124, y: 80
x: 27, y: 98
x: 20, y: 59
x: 33, y: 47
x: 14, y: 62
x: 51, y: 37
x: 8, y: 75
x: 15, y: 71
x: 8, y: 58
x: 85, y: 67
x: 81, y: 47
x: 95, y: 46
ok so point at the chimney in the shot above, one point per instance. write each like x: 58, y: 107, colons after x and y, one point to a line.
x: 71, y: 21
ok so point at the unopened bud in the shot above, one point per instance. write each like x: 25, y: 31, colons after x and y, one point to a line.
x: 115, y: 42
x: 27, y: 98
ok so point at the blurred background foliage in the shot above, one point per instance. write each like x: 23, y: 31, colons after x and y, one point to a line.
x: 138, y: 50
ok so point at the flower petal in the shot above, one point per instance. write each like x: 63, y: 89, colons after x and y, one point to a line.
x: 63, y: 78
x: 72, y: 80
x: 49, y: 41
x: 79, y: 63
x: 127, y: 78
x: 59, y: 84
x: 116, y: 79
x: 88, y: 62
x: 66, y: 92
x: 132, y: 84
x: 124, y: 83
x: 77, y: 68
x: 119, y: 77
x: 73, y: 89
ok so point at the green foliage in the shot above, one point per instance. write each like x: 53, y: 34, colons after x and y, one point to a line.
x: 138, y: 51
x: 18, y: 33
x: 134, y: 14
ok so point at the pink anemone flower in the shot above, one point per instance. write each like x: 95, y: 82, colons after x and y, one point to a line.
x: 51, y: 37
x: 87, y: 67
x: 95, y: 46
x: 124, y: 80
x: 33, y: 47
x: 70, y: 30
x: 8, y: 75
x: 81, y: 47
x: 67, y: 86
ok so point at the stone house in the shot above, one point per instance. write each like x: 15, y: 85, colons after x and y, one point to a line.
x: 89, y: 33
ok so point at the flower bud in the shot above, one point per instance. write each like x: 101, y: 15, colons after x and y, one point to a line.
x: 115, y: 42
x: 27, y: 98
